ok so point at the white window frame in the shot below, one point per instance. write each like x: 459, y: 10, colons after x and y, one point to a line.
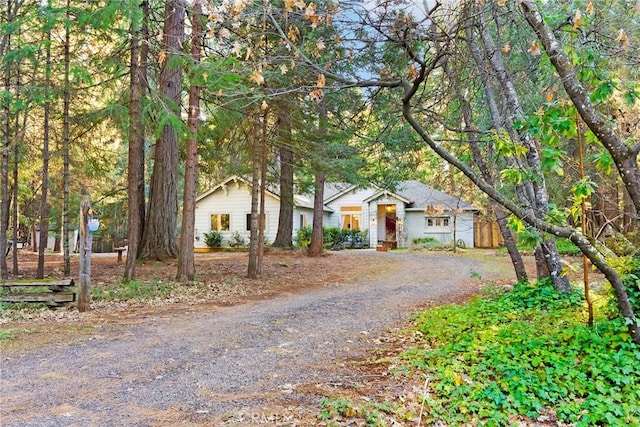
x: 351, y: 212
x: 437, y: 223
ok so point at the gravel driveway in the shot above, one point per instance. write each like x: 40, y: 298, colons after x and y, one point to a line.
x: 250, y: 364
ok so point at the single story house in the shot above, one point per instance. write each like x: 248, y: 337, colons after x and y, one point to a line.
x: 227, y: 208
x: 394, y: 218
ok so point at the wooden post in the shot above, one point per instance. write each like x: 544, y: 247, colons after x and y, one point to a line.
x: 86, y: 240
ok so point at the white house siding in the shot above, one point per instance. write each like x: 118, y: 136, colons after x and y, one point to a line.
x: 237, y: 203
x: 416, y: 228
x: 300, y: 216
x: 352, y: 198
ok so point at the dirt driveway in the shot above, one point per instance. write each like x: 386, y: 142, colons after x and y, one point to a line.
x: 255, y: 362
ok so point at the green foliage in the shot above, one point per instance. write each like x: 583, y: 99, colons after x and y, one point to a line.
x: 566, y: 247
x: 621, y: 246
x: 236, y: 240
x: 213, y: 239
x: 524, y: 353
x: 303, y: 237
x: 338, y: 409
x: 429, y: 243
x: 628, y: 267
x: 529, y: 238
x: 632, y: 283
x: 332, y: 237
x: 421, y: 240
x: 335, y: 407
x: 7, y: 334
x: 512, y: 175
x: 135, y: 290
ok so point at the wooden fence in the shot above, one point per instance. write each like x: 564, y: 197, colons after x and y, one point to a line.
x: 487, y: 235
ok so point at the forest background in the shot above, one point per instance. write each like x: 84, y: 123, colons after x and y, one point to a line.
x: 528, y: 109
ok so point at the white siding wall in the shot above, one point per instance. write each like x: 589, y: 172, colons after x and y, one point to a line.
x: 237, y: 203
x: 415, y: 227
x: 352, y: 198
x: 300, y: 215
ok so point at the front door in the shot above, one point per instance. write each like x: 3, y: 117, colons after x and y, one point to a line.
x: 388, y: 221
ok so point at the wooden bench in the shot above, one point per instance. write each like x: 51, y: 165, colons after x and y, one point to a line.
x: 55, y: 294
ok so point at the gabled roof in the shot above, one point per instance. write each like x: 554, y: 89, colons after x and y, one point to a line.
x: 299, y: 200
x: 223, y: 185
x: 386, y: 193
x: 305, y: 201
x: 423, y: 197
x: 335, y: 190
x: 416, y: 195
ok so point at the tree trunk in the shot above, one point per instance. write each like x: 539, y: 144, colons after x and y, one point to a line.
x: 624, y: 305
x: 510, y: 243
x: 252, y: 269
x: 470, y: 131
x: 262, y: 217
x: 159, y: 238
x: 498, y: 123
x: 535, y: 192
x: 285, y: 219
x: 44, y: 207
x: 4, y: 165
x: 135, y: 177
x: 84, y: 268
x: 66, y: 138
x: 186, y: 262
x: 316, y: 247
x: 16, y: 162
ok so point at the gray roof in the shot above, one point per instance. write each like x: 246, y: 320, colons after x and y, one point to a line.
x: 299, y: 200
x: 422, y: 196
x: 415, y: 194
x: 306, y: 201
x: 333, y: 189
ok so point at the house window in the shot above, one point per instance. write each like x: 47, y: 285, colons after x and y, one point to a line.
x: 264, y: 222
x: 303, y: 220
x: 350, y: 217
x: 220, y: 222
x: 436, y: 222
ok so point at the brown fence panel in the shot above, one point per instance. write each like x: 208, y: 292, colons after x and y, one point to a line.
x: 487, y: 235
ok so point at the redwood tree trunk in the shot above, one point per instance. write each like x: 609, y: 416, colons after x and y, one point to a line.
x: 159, y: 240
x: 135, y: 177
x: 186, y: 262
